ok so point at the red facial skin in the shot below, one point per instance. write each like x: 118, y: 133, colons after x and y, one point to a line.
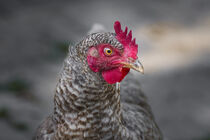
x: 110, y: 65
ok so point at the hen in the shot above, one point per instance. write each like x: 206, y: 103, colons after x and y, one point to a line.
x: 88, y: 103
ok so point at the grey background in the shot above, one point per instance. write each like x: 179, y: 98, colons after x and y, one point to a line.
x: 174, y: 40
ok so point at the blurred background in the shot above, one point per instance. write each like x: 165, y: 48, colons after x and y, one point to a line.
x: 174, y: 40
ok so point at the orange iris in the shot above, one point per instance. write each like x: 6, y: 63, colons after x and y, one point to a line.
x: 107, y: 51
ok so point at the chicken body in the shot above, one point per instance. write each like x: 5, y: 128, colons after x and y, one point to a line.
x: 86, y: 107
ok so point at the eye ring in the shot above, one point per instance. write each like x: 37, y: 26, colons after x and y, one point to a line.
x: 108, y: 51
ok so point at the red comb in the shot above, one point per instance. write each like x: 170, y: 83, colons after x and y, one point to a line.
x: 123, y: 37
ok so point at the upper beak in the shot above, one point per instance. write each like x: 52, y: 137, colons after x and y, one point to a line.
x: 136, y: 65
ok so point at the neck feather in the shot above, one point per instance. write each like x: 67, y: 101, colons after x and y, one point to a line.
x: 85, y: 103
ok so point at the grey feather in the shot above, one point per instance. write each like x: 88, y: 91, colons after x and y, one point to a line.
x: 86, y: 107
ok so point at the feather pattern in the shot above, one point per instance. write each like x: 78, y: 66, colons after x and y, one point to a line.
x: 87, y: 107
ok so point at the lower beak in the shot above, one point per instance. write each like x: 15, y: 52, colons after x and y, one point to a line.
x: 136, y: 65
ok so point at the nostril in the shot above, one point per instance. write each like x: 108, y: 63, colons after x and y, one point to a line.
x: 131, y: 60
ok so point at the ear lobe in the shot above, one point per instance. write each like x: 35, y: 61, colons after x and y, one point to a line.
x: 92, y: 59
x: 93, y: 52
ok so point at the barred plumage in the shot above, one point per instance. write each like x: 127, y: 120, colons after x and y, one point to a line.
x: 87, y: 107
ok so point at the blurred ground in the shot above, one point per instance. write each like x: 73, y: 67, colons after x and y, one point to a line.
x: 175, y: 50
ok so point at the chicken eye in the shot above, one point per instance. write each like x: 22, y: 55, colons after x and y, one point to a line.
x: 107, y: 51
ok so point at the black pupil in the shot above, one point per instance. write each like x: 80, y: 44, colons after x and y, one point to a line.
x: 108, y: 51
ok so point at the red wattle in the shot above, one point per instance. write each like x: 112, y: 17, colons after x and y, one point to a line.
x: 115, y: 75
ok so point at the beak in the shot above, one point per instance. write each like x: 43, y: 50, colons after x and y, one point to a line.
x: 136, y: 65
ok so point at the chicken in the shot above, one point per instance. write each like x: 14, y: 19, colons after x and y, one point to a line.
x: 88, y: 103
